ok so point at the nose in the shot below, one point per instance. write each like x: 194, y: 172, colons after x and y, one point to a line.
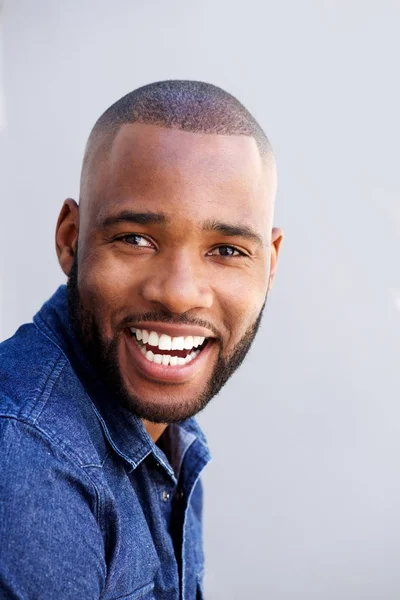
x: 178, y: 283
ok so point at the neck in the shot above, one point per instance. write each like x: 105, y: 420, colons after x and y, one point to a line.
x: 155, y: 430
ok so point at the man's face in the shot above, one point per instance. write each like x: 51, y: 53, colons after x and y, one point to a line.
x: 173, y: 265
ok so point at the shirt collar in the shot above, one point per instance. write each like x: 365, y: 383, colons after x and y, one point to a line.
x: 124, y: 430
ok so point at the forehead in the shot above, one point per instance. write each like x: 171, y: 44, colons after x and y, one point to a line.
x: 182, y: 173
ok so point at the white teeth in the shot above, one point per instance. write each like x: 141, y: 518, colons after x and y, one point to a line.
x: 166, y: 359
x: 178, y: 343
x: 149, y: 355
x: 153, y: 339
x: 188, y: 342
x: 165, y: 342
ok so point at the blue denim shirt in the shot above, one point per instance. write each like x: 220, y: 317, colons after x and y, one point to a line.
x: 90, y: 507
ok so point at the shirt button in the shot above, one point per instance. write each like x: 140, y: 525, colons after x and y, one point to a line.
x: 165, y: 496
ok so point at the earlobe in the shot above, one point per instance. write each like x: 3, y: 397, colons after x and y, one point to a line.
x: 67, y: 234
x: 276, y: 240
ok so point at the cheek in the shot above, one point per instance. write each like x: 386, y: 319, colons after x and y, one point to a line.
x: 241, y: 303
x: 108, y: 273
x: 105, y: 287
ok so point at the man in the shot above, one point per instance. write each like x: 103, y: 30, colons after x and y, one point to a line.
x: 169, y: 258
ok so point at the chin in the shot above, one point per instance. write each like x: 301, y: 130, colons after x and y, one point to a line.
x: 165, y: 402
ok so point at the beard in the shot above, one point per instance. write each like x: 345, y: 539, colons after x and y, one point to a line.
x: 103, y: 358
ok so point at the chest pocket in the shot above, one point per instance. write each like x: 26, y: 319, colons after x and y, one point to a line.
x: 146, y: 592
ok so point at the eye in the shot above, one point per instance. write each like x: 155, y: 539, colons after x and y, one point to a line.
x: 134, y: 239
x: 226, y: 251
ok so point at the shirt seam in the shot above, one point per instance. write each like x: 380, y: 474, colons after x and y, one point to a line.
x: 47, y: 333
x: 62, y: 447
x: 70, y: 456
x: 42, y: 395
x: 44, y: 330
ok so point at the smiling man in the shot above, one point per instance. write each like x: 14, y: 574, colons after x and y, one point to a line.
x: 169, y: 258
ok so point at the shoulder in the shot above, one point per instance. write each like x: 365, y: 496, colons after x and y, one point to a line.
x: 38, y: 475
x: 49, y: 518
x: 29, y: 458
x: 28, y: 360
x: 40, y: 390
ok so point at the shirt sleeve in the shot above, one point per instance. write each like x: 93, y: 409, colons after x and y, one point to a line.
x: 51, y: 546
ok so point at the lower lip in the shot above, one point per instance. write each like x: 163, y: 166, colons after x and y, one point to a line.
x: 166, y: 373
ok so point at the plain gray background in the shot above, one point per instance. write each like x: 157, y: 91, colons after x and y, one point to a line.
x: 303, y: 496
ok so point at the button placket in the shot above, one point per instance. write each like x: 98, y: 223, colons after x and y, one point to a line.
x: 179, y: 494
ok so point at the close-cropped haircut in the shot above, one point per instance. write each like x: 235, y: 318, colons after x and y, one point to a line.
x: 192, y: 106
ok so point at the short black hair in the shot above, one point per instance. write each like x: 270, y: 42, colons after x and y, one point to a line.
x: 193, y: 106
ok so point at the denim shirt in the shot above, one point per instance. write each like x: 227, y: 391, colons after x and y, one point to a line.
x: 90, y: 507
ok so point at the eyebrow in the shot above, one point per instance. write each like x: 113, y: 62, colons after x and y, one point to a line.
x: 127, y: 216
x: 232, y: 230
x: 151, y: 218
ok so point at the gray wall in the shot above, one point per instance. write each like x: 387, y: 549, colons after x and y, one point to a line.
x: 303, y: 496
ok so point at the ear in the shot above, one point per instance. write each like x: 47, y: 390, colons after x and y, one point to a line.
x: 276, y: 240
x: 67, y: 234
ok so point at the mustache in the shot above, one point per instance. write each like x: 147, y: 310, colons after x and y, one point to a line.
x: 172, y: 319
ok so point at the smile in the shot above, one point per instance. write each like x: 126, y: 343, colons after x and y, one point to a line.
x: 166, y: 350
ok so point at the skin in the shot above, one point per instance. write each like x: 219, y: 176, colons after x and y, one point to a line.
x: 193, y: 180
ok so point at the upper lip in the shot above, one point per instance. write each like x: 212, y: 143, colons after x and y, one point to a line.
x: 174, y: 329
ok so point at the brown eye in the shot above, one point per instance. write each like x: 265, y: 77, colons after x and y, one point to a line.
x: 136, y: 240
x: 226, y: 251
